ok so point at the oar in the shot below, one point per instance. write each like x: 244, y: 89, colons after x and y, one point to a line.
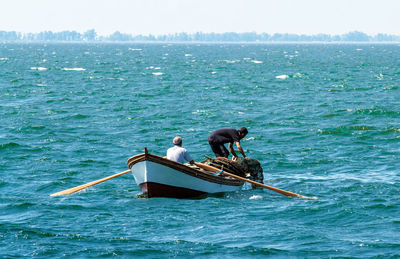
x: 287, y: 193
x: 86, y: 185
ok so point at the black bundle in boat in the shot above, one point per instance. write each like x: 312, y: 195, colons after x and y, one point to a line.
x: 245, y: 167
x: 253, y: 169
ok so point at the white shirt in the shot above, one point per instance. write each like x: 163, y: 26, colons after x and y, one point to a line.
x: 178, y: 154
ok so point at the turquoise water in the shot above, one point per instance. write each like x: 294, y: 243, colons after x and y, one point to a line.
x: 323, y: 120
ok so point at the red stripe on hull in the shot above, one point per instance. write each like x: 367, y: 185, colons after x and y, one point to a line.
x: 150, y: 190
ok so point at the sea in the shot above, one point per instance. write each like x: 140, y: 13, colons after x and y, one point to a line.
x: 323, y: 120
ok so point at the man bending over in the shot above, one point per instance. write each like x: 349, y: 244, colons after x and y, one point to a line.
x: 218, y: 138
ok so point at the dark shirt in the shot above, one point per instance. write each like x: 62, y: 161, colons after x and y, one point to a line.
x: 223, y: 136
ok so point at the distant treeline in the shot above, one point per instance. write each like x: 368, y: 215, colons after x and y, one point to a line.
x: 92, y: 36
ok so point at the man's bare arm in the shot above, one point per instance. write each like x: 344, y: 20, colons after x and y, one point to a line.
x: 232, y: 150
x: 240, y: 149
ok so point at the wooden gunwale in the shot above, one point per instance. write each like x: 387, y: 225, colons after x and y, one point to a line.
x: 207, y: 176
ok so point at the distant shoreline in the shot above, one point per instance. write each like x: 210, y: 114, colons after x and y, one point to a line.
x: 91, y: 36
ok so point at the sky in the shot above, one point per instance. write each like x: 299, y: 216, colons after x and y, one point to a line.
x: 159, y: 17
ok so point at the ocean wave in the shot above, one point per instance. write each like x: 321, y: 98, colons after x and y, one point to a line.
x: 360, y: 128
x: 39, y: 68
x: 9, y: 145
x: 230, y: 61
x: 3, y: 183
x: 74, y: 69
x: 391, y: 130
x: 153, y: 67
x: 346, y: 130
x: 36, y: 127
x: 282, y: 77
x: 285, y: 76
x: 79, y: 116
x: 256, y: 197
x: 377, y: 111
x: 23, y: 205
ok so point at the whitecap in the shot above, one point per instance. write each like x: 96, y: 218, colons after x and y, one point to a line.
x: 230, y: 61
x: 213, y: 72
x: 200, y: 112
x: 197, y: 228
x: 256, y: 61
x: 282, y: 77
x: 255, y: 197
x: 157, y: 73
x: 39, y: 68
x: 135, y: 49
x: 74, y: 69
x: 152, y: 67
x: 188, y: 55
x: 290, y: 56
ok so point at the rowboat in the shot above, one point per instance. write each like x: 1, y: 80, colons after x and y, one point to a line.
x: 160, y: 177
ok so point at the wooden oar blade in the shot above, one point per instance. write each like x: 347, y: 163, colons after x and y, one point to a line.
x: 86, y: 185
x: 75, y: 189
x: 286, y: 193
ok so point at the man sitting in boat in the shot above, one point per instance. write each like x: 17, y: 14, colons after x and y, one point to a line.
x: 177, y: 153
x: 218, y: 138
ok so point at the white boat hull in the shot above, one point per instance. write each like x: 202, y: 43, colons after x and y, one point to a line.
x: 159, y: 177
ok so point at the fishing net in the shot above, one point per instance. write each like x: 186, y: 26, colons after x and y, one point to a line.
x: 252, y: 169
x: 245, y: 167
